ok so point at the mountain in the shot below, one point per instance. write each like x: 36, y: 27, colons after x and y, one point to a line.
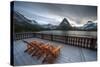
x: 19, y: 17
x: 64, y: 25
x: 22, y: 24
x: 90, y: 25
x: 49, y: 26
x: 33, y: 22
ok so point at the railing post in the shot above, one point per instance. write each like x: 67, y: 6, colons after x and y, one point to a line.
x: 93, y: 43
x: 66, y: 39
x: 51, y: 37
x: 42, y: 36
x: 33, y: 34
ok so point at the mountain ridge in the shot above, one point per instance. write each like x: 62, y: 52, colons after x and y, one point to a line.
x: 64, y: 25
x: 22, y: 24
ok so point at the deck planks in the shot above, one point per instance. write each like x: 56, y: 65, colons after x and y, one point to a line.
x: 69, y: 54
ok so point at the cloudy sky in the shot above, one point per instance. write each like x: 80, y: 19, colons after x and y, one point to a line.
x: 45, y: 13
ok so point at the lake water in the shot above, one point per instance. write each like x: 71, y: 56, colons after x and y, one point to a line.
x: 72, y: 33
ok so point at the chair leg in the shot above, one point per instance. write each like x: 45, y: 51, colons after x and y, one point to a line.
x: 34, y: 53
x: 45, y: 58
x: 27, y: 49
x: 30, y: 52
x: 40, y: 54
x: 51, y: 60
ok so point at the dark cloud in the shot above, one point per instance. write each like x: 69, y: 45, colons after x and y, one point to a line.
x: 78, y: 13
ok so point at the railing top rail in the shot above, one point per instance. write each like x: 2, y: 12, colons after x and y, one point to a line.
x: 24, y: 32
x: 80, y: 36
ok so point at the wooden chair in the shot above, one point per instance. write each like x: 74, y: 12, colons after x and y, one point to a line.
x: 53, y: 54
x: 56, y: 51
x: 30, y: 47
x: 37, y: 48
x: 47, y: 51
x: 42, y: 52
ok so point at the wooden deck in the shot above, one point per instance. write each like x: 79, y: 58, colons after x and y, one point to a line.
x: 68, y: 54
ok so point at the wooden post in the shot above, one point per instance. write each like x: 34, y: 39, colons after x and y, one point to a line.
x: 51, y: 37
x: 42, y: 36
x: 93, y: 43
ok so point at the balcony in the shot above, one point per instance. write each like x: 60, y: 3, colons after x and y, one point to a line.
x: 75, y: 49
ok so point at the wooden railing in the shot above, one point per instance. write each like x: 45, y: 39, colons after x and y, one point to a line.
x: 24, y: 35
x: 86, y: 42
x: 80, y: 41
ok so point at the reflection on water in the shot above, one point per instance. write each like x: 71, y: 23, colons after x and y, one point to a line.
x: 72, y: 33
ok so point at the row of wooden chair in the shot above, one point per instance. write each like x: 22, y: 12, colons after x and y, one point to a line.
x: 48, y: 52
